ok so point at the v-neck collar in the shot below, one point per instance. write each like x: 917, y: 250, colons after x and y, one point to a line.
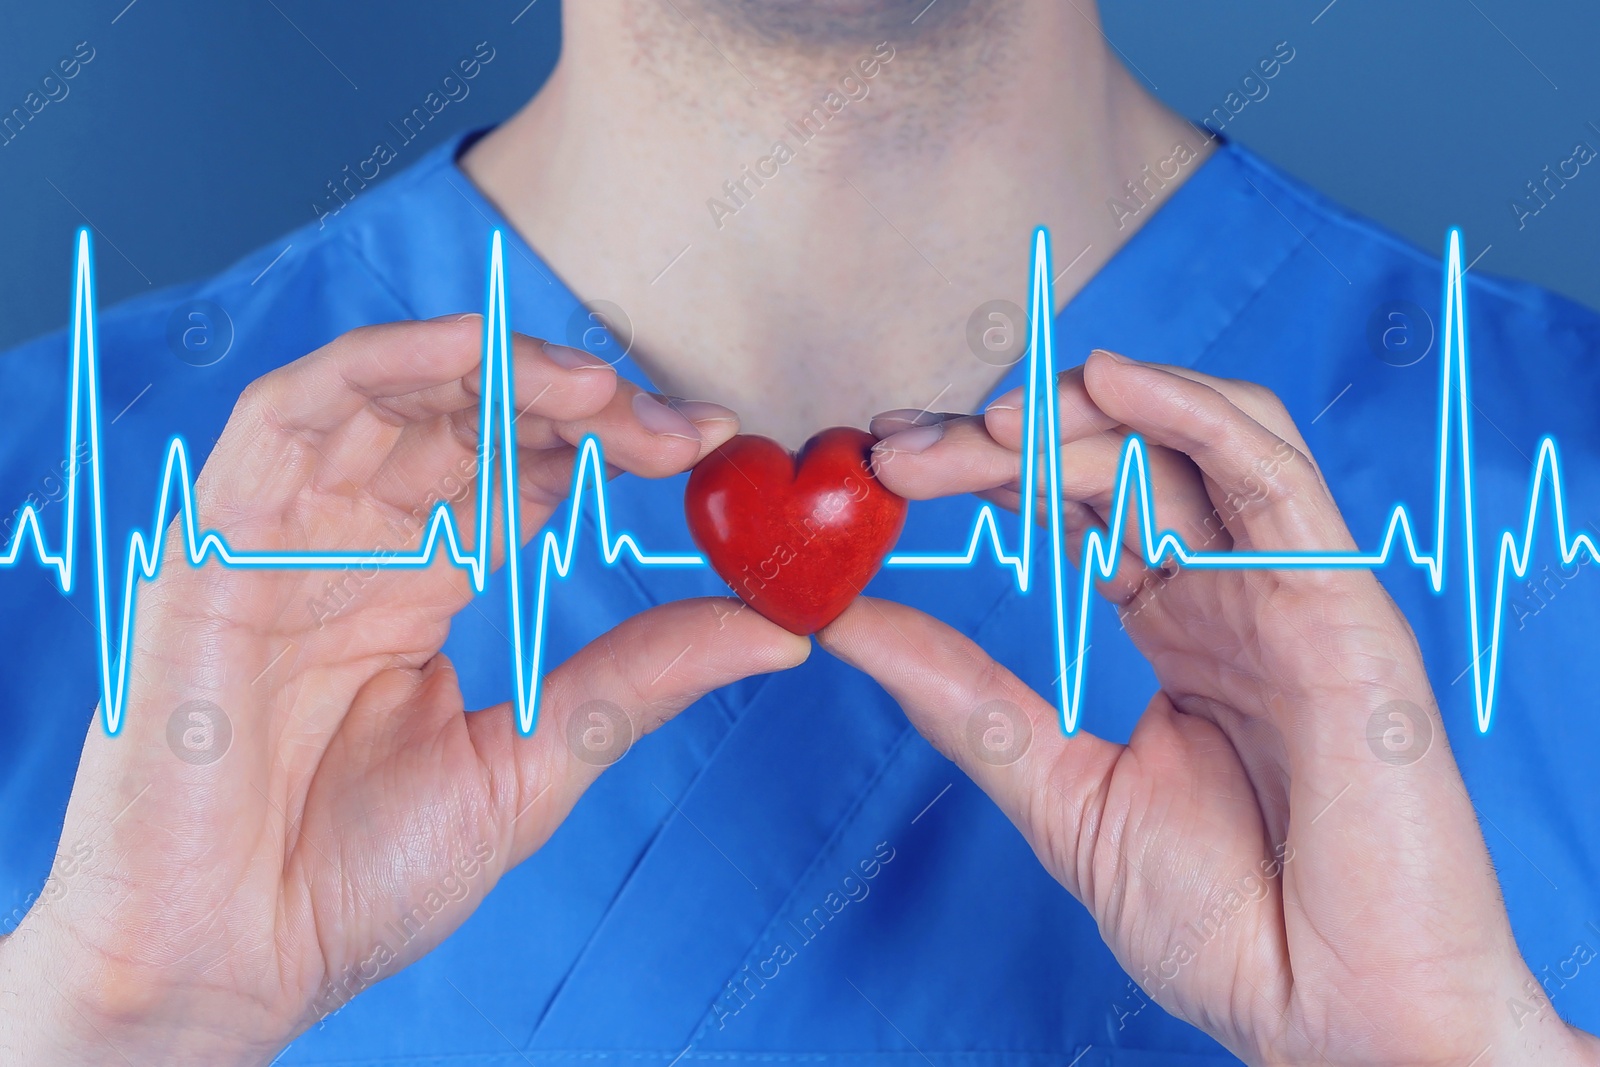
x: 1159, y: 297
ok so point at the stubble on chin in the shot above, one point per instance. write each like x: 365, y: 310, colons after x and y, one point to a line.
x: 827, y: 25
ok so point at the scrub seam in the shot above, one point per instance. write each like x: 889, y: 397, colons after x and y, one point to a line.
x: 896, y: 750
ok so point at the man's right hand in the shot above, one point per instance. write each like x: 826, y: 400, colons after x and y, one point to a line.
x: 225, y: 897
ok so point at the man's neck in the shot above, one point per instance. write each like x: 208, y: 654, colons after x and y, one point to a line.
x: 800, y: 218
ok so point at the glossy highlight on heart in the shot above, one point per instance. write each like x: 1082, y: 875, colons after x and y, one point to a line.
x: 796, y: 536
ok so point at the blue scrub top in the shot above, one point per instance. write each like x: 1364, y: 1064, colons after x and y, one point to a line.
x: 710, y: 892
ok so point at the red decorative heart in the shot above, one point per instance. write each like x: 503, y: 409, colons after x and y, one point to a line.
x: 797, y: 537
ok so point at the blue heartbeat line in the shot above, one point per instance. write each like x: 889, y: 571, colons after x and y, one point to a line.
x: 144, y: 557
x: 1101, y: 547
x: 497, y: 422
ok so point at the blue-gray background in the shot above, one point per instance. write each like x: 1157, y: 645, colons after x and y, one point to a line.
x: 202, y: 130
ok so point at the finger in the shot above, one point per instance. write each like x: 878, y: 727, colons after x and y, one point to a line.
x: 1284, y: 505
x: 1089, y: 437
x: 949, y: 454
x: 1129, y: 580
x: 581, y: 386
x: 548, y: 381
x: 941, y: 458
x: 888, y: 423
x: 713, y: 422
x: 1092, y: 472
x: 1256, y: 401
x: 1252, y: 398
x: 983, y: 718
x: 550, y: 384
x: 428, y: 466
x: 1370, y: 769
x: 1077, y: 417
x: 651, y: 435
x: 545, y: 457
x: 909, y: 435
x: 614, y: 691
x: 332, y: 419
x: 939, y: 454
x: 414, y: 370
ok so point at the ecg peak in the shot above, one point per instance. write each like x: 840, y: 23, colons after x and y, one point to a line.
x: 555, y: 553
x: 1100, y: 552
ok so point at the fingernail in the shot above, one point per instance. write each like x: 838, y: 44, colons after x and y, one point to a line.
x: 456, y: 317
x: 573, y: 358
x: 661, y: 420
x: 909, y: 416
x: 1011, y: 401
x: 703, y: 411
x: 918, y: 439
x: 1117, y: 356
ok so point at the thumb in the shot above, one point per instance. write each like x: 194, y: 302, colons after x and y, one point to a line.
x: 616, y: 689
x: 981, y: 716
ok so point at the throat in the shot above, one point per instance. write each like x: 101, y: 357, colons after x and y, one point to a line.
x: 811, y: 26
x: 814, y: 230
x: 792, y: 389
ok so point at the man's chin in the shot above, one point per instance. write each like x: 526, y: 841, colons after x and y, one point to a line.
x: 839, y: 22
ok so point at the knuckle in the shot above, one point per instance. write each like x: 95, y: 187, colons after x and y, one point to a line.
x: 255, y: 405
x: 1275, y: 414
x: 1069, y: 381
x: 249, y: 399
x: 638, y: 685
x: 1253, y: 392
x: 360, y: 335
x: 1262, y: 404
x: 1242, y: 391
x: 1208, y: 414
